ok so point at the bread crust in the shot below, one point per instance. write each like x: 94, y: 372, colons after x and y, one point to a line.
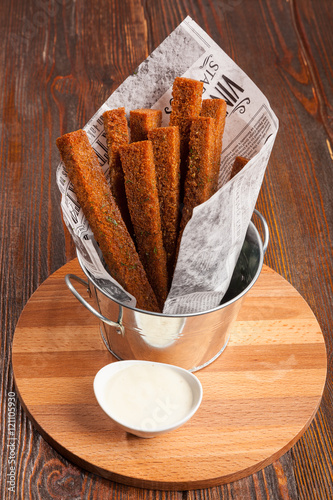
x: 217, y: 109
x: 166, y: 141
x: 185, y: 106
x: 142, y: 196
x: 201, y: 175
x: 100, y: 209
x: 116, y: 133
x: 238, y: 165
x: 143, y: 120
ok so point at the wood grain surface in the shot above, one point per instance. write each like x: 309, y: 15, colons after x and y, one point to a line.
x: 60, y: 60
x: 259, y: 397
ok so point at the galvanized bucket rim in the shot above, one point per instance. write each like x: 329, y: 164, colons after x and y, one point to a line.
x: 262, y: 248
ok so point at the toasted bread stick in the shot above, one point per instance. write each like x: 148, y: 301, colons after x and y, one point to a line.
x: 143, y: 120
x: 238, y: 165
x: 99, y: 207
x: 166, y: 142
x: 116, y: 132
x: 217, y: 109
x: 142, y: 196
x: 185, y: 106
x: 200, y: 182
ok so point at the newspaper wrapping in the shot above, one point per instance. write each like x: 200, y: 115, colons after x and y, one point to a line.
x: 213, y: 238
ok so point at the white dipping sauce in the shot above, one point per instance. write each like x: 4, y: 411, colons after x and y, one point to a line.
x: 148, y: 397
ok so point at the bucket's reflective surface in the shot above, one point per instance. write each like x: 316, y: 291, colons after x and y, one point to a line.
x: 246, y: 268
x: 190, y: 341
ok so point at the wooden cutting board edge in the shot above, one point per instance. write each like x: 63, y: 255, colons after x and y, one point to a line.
x: 153, y: 484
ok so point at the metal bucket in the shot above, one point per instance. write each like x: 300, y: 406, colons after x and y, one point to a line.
x: 190, y: 341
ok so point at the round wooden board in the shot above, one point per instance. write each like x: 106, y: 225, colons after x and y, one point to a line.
x: 260, y: 395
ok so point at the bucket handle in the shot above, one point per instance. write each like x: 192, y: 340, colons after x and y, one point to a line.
x: 117, y: 324
x: 265, y: 229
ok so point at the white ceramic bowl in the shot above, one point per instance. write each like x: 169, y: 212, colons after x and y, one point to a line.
x: 147, y: 398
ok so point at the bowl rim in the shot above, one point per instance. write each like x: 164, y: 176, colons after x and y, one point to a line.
x: 195, y: 384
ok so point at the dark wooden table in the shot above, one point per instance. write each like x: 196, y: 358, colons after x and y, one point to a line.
x: 60, y: 60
